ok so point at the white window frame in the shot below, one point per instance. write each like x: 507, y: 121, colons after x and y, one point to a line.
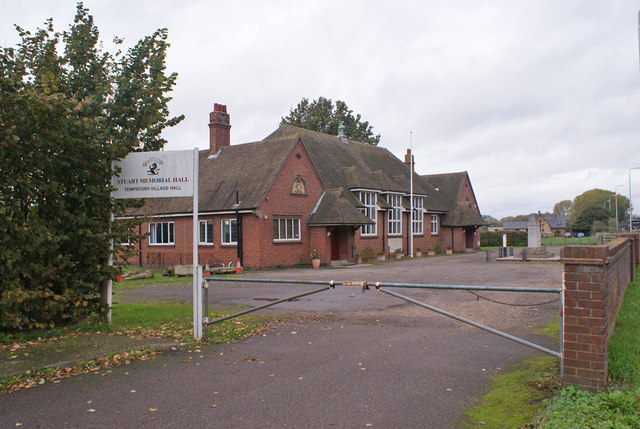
x: 417, y: 217
x: 370, y: 210
x: 167, y: 234
x: 205, y: 228
x: 226, y: 238
x: 394, y: 221
x: 434, y: 224
x: 287, y: 229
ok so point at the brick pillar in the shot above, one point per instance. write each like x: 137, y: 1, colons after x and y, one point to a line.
x: 585, y: 345
x: 595, y: 278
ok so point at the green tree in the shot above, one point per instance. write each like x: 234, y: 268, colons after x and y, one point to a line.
x: 595, y: 206
x: 491, y: 221
x: 517, y: 218
x: 562, y: 208
x: 323, y: 116
x: 67, y: 109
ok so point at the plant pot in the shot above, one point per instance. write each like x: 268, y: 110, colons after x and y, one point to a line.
x: 431, y: 252
x: 418, y: 254
x: 449, y: 251
x: 315, y: 263
x: 399, y: 255
x: 358, y: 260
x: 381, y: 257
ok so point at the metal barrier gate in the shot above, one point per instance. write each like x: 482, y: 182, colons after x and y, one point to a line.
x: 382, y: 286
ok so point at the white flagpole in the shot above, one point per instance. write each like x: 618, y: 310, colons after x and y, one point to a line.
x: 197, y: 293
x: 411, y: 197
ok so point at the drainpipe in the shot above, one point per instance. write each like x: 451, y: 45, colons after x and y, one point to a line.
x: 139, y: 244
x: 239, y: 227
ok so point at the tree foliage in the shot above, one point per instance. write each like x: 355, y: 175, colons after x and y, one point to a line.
x: 323, y: 116
x: 595, y: 207
x: 490, y: 220
x: 562, y: 208
x: 67, y: 109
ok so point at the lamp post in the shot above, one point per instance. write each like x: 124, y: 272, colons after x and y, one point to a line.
x: 630, y: 205
x: 616, y: 191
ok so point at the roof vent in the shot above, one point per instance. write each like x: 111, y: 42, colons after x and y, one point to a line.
x: 341, y: 128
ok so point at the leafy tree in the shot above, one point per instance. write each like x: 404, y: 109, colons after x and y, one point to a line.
x: 67, y: 109
x: 490, y: 220
x: 562, y: 208
x: 323, y: 116
x: 595, y: 205
x: 517, y: 218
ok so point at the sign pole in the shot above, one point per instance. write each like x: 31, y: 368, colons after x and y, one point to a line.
x: 197, y: 293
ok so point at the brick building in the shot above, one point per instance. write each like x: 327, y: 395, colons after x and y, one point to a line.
x: 274, y: 201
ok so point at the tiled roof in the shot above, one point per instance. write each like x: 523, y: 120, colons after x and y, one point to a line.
x: 555, y: 221
x: 449, y: 186
x: 336, y: 209
x: 515, y: 224
x: 348, y: 164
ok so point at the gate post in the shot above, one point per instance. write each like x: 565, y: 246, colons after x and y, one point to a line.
x: 595, y: 278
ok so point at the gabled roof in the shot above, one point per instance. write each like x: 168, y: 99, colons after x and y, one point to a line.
x: 348, y: 164
x: 516, y: 224
x: 336, y: 209
x: 555, y: 221
x: 247, y: 168
x: 450, y: 185
x: 463, y: 215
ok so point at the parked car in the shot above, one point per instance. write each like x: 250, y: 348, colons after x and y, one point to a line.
x: 580, y: 235
x: 568, y: 234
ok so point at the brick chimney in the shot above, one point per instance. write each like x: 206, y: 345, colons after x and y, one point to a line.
x: 408, y: 158
x: 218, y: 128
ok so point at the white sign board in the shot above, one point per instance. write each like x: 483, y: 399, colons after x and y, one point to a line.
x: 155, y: 175
x: 159, y: 175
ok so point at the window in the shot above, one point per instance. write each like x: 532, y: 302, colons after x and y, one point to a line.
x: 206, y: 232
x: 286, y: 229
x: 161, y: 233
x: 434, y: 224
x: 418, y: 204
x: 395, y: 214
x: 369, y: 210
x: 229, y: 231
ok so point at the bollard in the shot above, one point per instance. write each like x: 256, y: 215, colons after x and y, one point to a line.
x: 488, y: 253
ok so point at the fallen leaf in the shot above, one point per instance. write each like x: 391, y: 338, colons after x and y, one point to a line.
x: 153, y: 409
x: 91, y: 410
x: 293, y: 332
x: 132, y: 391
x: 213, y: 405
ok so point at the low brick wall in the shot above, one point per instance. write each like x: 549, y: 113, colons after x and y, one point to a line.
x: 595, y: 280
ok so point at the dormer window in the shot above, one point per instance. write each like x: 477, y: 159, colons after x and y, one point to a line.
x: 395, y: 214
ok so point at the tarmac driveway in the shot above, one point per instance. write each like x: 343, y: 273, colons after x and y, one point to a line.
x: 349, y: 360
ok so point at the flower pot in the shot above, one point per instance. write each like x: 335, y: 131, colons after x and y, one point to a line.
x: 358, y: 260
x: 381, y: 257
x: 449, y: 251
x: 431, y: 252
x: 399, y: 255
x: 418, y: 254
x: 315, y: 263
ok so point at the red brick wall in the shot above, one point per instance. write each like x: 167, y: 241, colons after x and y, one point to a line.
x: 259, y: 249
x: 595, y: 280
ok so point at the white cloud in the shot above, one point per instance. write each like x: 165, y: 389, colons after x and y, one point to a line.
x: 537, y: 100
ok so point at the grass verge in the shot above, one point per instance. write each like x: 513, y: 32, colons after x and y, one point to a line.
x: 620, y: 406
x: 516, y: 397
x: 526, y: 387
x: 137, y: 325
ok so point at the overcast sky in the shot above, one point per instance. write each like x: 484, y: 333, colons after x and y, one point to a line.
x: 539, y: 101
